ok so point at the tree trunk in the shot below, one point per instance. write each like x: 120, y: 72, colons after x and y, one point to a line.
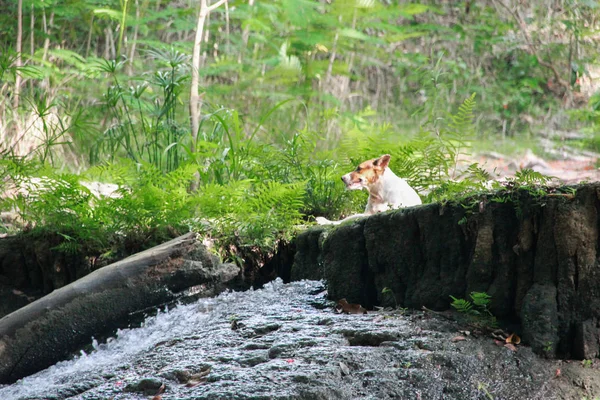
x: 19, y: 60
x: 31, y: 40
x: 31, y: 33
x: 89, y: 39
x: 134, y: 39
x: 227, y: 30
x: 538, y: 259
x: 245, y: 36
x: 106, y: 43
x: 47, y: 28
x: 53, y: 327
x: 122, y: 27
x: 195, y: 100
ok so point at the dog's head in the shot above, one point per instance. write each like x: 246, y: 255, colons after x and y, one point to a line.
x: 367, y: 173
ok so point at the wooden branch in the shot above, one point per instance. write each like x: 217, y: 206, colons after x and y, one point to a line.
x: 216, y: 5
x: 49, y: 329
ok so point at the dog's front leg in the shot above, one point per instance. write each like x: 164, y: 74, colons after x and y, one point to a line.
x: 325, y: 221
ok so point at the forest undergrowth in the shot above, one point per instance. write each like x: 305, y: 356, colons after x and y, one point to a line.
x: 239, y: 125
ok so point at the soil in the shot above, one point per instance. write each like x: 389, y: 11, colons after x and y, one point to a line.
x: 566, y: 166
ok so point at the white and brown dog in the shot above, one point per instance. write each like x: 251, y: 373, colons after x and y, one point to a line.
x: 386, y: 190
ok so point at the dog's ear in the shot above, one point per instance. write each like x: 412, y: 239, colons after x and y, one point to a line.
x: 382, y: 161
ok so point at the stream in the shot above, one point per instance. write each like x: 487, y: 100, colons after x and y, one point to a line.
x: 285, y: 341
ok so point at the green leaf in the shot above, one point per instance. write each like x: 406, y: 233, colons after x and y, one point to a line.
x: 354, y: 34
x: 115, y: 15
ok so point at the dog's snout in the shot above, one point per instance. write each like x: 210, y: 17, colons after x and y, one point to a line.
x: 346, y: 178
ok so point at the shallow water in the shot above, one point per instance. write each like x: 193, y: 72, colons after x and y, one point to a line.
x: 285, y: 341
x: 265, y: 343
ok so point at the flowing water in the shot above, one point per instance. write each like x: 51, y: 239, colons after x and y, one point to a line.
x: 267, y: 343
x: 284, y: 342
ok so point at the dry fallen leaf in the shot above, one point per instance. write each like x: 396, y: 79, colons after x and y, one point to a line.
x: 344, y: 368
x: 458, y: 339
x: 510, y: 347
x: 343, y: 306
x: 198, y: 378
x: 557, y: 373
x: 513, y: 339
x: 195, y: 382
x: 161, y: 389
x: 499, y: 334
x: 203, y: 372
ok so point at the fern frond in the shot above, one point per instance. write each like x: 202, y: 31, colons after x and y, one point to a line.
x: 461, y: 123
x: 462, y: 305
x: 481, y: 299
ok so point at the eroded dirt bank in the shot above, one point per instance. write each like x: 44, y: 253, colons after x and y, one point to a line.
x: 536, y: 256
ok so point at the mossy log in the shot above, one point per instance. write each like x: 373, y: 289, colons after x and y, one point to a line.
x: 536, y: 256
x: 53, y: 327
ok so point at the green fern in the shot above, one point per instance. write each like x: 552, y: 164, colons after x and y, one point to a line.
x: 481, y: 299
x: 462, y: 305
x: 477, y: 307
x: 462, y: 122
x: 529, y: 177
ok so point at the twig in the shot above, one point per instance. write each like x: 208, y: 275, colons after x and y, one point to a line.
x: 216, y: 5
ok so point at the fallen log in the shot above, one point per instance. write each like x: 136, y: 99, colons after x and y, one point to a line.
x: 53, y: 327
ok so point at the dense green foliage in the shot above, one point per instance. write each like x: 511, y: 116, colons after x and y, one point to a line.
x: 295, y: 93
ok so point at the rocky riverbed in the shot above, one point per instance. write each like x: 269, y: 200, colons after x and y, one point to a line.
x: 286, y: 341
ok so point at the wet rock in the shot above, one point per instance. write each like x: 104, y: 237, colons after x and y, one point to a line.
x: 278, y: 350
x: 314, y: 361
x: 325, y: 321
x: 368, y: 338
x: 301, y: 379
x: 178, y: 375
x: 147, y: 386
x: 251, y: 361
x: 397, y: 345
x: 257, y: 346
x: 290, y: 349
x: 263, y: 330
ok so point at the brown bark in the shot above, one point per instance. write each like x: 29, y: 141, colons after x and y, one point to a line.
x: 536, y: 257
